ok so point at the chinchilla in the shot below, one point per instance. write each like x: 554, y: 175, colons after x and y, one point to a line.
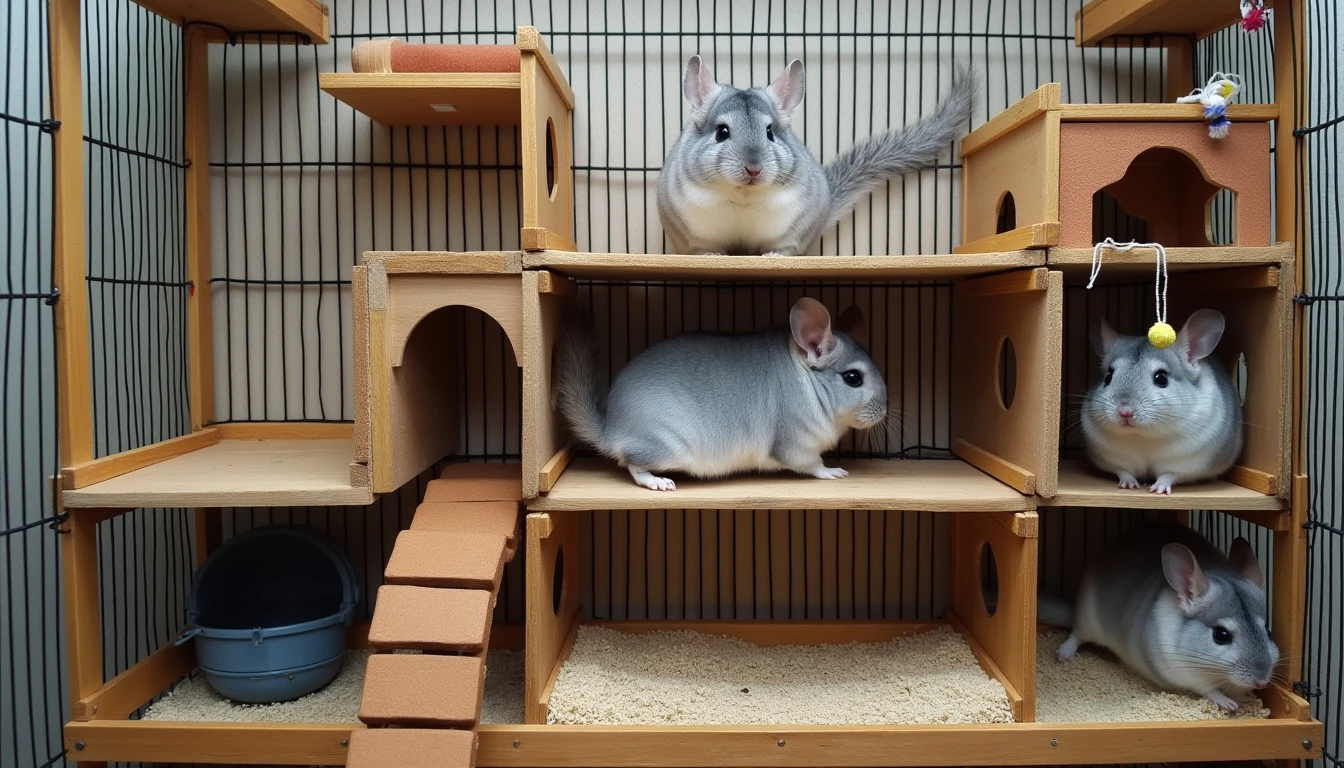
x: 739, y: 181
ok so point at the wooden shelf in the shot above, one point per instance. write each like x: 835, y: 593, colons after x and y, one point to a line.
x: 650, y: 266
x: 925, y: 485
x: 1140, y: 262
x: 236, y: 473
x: 420, y: 98
x: 1162, y: 113
x: 1080, y: 485
x: 304, y: 17
x: 1101, y: 19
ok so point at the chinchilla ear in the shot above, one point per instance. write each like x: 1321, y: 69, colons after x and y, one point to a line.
x: 1199, y: 336
x: 698, y: 85
x: 1244, y: 560
x: 788, y: 88
x: 1185, y: 576
x: 1103, y: 337
x: 811, y: 326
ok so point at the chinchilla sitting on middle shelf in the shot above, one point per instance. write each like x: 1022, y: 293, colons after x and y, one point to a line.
x: 711, y: 405
x: 739, y: 181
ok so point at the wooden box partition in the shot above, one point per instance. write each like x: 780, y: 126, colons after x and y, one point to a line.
x: 406, y: 309
x: 537, y: 98
x: 1032, y: 172
x: 1005, y: 393
x: 1253, y: 289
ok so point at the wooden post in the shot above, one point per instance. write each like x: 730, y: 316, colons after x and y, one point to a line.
x: 1180, y: 66
x: 69, y: 269
x: 200, y: 337
x: 83, y: 637
x: 1290, y: 160
x: 550, y: 632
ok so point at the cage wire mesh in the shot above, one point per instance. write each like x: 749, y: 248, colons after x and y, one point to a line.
x: 302, y: 185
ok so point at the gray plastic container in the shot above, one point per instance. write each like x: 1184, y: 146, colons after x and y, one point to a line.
x: 270, y: 612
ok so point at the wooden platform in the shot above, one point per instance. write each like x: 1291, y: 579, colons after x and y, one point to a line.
x: 653, y: 266
x: 1100, y: 19
x: 304, y: 17
x: 1076, y: 263
x: 930, y: 485
x: 236, y: 473
x: 424, y: 98
x: 1082, y: 486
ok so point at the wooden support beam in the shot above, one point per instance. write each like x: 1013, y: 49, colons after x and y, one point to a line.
x: 196, y: 139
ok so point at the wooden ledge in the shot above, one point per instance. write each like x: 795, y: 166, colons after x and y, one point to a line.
x: 650, y: 266
x: 1082, y: 486
x: 300, y: 17
x: 1098, y: 20
x: 430, y: 98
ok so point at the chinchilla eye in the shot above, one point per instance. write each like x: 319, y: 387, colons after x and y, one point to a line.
x: 722, y: 133
x: 1107, y: 380
x: 770, y: 132
x: 852, y: 378
x: 1160, y: 378
x: 1221, y: 636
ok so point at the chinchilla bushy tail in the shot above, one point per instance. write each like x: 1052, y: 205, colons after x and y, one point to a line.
x: 1054, y: 612
x: 869, y: 164
x: 580, y: 395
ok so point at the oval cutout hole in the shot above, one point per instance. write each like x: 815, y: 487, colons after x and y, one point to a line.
x: 558, y: 581
x: 1007, y: 375
x: 989, y: 579
x: 1007, y: 218
x: 1240, y: 377
x: 552, y: 152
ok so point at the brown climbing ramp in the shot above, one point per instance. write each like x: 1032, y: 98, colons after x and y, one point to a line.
x: 426, y: 619
x: 447, y: 560
x: 423, y: 690
x: 438, y: 598
x: 411, y: 748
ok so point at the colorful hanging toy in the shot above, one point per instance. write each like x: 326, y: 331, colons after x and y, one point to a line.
x: 1160, y: 335
x: 1254, y: 15
x: 1215, y: 95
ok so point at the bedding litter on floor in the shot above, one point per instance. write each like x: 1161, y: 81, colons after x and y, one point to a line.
x: 193, y: 700
x: 691, y: 678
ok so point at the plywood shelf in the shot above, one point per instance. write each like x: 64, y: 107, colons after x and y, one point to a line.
x: 1076, y: 263
x: 1098, y: 20
x: 422, y: 98
x: 301, y: 17
x: 1080, y: 485
x: 650, y: 266
x: 924, y: 485
x: 236, y: 473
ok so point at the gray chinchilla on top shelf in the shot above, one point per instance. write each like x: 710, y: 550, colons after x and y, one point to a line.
x: 738, y: 180
x: 1168, y: 415
x: 710, y: 405
x: 1176, y: 611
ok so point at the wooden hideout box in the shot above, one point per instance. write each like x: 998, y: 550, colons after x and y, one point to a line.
x: 536, y: 98
x: 1034, y: 174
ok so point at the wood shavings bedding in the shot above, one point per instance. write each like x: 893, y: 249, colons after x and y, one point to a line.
x: 193, y: 700
x: 690, y: 678
x: 1094, y: 687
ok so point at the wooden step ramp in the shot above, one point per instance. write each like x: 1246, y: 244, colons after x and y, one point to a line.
x: 423, y: 691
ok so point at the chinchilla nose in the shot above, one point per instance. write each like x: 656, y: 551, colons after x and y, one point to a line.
x: 1125, y: 412
x: 752, y: 170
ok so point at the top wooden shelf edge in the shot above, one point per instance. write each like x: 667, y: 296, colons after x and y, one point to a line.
x: 276, y: 20
x: 642, y: 266
x: 1099, y: 20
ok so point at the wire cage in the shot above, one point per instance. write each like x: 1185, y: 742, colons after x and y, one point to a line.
x: 300, y: 186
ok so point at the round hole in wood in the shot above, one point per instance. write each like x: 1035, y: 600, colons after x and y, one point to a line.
x: 1007, y: 216
x: 1007, y: 373
x: 989, y: 579
x: 558, y: 581
x: 1240, y: 377
x: 552, y: 153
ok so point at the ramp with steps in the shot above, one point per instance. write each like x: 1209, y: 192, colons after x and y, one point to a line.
x: 431, y: 625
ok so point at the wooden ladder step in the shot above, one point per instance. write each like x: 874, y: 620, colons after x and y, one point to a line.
x: 428, y: 619
x: 477, y: 482
x: 411, y: 748
x: 469, y: 517
x: 447, y: 560
x: 423, y: 690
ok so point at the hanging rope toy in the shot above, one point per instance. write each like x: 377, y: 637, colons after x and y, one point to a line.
x: 1254, y: 15
x: 1215, y: 95
x: 1160, y: 335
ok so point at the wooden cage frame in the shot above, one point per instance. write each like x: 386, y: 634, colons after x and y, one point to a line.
x: 539, y: 281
